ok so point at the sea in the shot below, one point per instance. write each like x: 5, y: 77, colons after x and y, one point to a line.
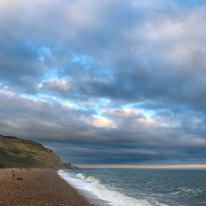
x: 139, y: 187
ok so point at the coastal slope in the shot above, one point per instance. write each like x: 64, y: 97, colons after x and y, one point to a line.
x: 16, y: 152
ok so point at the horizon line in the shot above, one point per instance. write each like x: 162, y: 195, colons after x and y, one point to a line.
x: 186, y: 166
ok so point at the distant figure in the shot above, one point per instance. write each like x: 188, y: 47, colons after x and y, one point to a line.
x: 13, y: 174
x: 21, y: 172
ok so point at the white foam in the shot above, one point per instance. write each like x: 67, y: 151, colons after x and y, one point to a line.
x: 80, y: 176
x: 100, y: 191
x: 187, y: 191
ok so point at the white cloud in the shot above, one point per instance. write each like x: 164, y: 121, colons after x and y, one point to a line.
x: 100, y: 122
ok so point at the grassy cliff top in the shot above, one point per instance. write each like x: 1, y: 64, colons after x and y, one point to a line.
x: 16, y: 152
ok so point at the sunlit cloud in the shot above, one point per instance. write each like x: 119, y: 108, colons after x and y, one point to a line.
x: 100, y: 122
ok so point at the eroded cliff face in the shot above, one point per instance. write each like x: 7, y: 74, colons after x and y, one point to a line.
x: 15, y: 152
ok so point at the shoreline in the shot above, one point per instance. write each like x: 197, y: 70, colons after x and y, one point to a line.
x: 39, y: 187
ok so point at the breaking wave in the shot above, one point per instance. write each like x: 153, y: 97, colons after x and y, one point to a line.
x: 100, y: 191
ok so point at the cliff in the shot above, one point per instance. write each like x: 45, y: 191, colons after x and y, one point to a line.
x: 15, y: 152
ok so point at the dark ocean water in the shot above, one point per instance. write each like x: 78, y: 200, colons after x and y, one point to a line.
x: 139, y: 187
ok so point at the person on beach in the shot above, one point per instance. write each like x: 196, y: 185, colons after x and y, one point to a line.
x: 21, y: 172
x: 13, y: 174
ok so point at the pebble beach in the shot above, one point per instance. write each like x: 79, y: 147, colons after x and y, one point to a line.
x: 38, y: 187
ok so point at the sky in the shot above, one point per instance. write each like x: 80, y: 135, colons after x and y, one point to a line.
x: 115, y: 82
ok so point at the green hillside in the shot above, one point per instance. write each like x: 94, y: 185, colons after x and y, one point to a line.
x: 15, y: 152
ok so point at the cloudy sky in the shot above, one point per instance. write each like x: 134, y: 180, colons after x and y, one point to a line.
x: 106, y: 82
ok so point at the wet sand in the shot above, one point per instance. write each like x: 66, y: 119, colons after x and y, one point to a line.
x: 39, y: 187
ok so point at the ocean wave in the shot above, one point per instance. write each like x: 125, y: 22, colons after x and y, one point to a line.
x: 100, y: 191
x: 80, y: 176
x: 188, y: 192
x: 90, y: 179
